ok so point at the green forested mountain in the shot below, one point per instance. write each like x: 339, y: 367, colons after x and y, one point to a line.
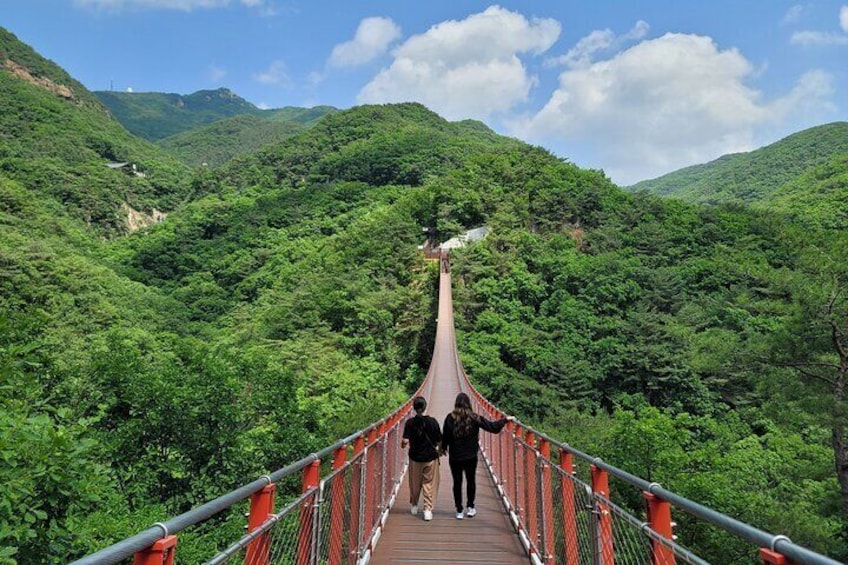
x: 282, y: 304
x: 297, y: 115
x: 215, y: 144
x: 772, y: 173
x: 220, y: 141
x: 818, y: 196
x: 156, y: 115
x: 58, y: 141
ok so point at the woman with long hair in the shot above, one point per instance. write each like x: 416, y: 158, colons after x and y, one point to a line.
x: 423, y: 436
x: 461, y: 439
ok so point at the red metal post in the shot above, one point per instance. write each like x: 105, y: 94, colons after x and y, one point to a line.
x: 371, y: 475
x: 517, y: 467
x: 659, y: 516
x: 531, y: 482
x: 261, y: 506
x: 497, y: 456
x: 569, y: 512
x: 160, y: 553
x: 382, y: 494
x: 507, y: 456
x: 773, y: 558
x: 391, y: 459
x: 356, y: 500
x: 311, y: 476
x: 549, y: 545
x: 334, y: 554
x: 600, y: 486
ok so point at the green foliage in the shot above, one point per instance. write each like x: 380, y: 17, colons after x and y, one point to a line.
x: 752, y: 471
x: 155, y: 115
x: 662, y: 315
x: 50, y: 463
x: 179, y: 121
x: 282, y: 304
x: 802, y: 176
x: 220, y: 141
x: 58, y: 139
x: 818, y: 197
x: 243, y: 134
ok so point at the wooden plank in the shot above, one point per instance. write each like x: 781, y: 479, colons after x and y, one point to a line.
x: 489, y: 537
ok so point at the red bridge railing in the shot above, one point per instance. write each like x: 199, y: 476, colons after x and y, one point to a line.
x: 347, y: 491
x: 566, y: 520
x: 349, y: 487
x: 563, y: 517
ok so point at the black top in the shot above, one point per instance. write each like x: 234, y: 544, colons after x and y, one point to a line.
x: 465, y: 448
x: 424, y: 436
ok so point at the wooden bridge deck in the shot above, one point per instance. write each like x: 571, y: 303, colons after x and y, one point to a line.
x: 489, y: 537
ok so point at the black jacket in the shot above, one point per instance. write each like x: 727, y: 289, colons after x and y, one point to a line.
x: 424, y: 436
x: 466, y: 447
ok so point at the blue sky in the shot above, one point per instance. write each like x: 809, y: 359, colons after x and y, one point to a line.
x: 637, y: 89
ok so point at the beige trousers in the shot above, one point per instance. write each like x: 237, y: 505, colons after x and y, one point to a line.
x: 424, y: 477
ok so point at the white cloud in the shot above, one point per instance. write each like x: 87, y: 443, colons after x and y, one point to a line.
x: 793, y: 14
x: 184, y: 5
x: 216, y: 73
x: 811, y: 96
x: 276, y: 74
x: 315, y: 78
x: 824, y: 38
x: 581, y: 54
x: 818, y: 38
x: 372, y: 39
x: 468, y: 68
x: 663, y: 104
x: 598, y: 41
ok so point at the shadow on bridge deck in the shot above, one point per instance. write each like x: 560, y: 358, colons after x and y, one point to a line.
x: 489, y: 537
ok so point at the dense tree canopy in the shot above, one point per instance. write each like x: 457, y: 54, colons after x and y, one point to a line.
x: 282, y: 304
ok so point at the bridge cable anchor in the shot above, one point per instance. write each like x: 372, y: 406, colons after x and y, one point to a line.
x: 776, y: 539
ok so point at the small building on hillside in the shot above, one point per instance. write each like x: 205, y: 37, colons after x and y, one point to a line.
x: 468, y: 237
x: 129, y: 168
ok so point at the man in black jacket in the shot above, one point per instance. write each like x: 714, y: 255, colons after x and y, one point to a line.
x: 423, y: 436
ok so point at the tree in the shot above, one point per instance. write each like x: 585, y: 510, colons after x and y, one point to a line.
x: 814, y: 343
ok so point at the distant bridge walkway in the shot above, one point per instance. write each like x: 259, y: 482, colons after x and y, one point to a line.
x: 489, y: 537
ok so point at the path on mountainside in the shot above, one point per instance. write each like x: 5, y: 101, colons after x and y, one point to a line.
x: 489, y: 537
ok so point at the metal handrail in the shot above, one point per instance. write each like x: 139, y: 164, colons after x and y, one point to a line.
x: 778, y: 543
x: 143, y: 540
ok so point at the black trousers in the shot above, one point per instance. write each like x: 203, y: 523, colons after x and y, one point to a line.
x: 469, y: 468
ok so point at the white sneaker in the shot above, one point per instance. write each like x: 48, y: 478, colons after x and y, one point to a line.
x: 471, y: 512
x: 460, y: 515
x: 414, y: 509
x: 428, y: 515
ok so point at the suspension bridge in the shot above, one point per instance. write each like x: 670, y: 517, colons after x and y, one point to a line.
x: 539, y: 501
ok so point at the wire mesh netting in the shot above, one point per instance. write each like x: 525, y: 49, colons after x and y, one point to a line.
x: 565, y: 522
x: 278, y: 540
x: 333, y: 523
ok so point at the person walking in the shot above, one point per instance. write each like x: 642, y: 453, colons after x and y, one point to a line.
x: 423, y: 436
x: 461, y: 440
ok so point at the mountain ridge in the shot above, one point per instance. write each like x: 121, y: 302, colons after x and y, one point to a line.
x: 156, y: 116
x: 757, y: 178
x: 59, y: 141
